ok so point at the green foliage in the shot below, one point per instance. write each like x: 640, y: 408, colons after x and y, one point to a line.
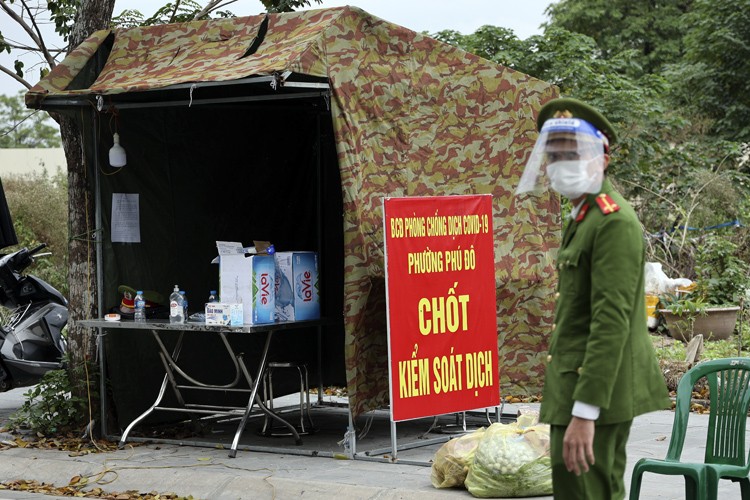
x: 651, y: 28
x: 669, y: 162
x: 51, y: 407
x: 286, y: 5
x: 624, y: 57
x: 684, y: 305
x: 38, y: 204
x: 24, y: 128
x: 62, y: 14
x: 714, y: 75
x: 691, y: 189
x: 672, y: 351
x: 451, y: 37
x: 183, y: 11
x: 187, y: 10
x: 687, y: 307
x: 714, y: 349
x: 491, y: 42
x: 4, y: 47
x: 722, y: 275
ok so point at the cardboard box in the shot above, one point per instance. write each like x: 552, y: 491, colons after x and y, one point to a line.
x: 296, y: 287
x: 247, y: 280
x: 218, y: 313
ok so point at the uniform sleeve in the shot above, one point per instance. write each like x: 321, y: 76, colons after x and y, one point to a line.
x: 616, y: 261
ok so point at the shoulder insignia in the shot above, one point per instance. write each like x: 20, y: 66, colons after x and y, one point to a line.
x: 607, y: 204
x: 582, y: 212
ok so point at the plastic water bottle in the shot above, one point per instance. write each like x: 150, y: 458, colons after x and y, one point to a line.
x: 184, y: 305
x: 176, y: 308
x: 140, y: 307
x: 212, y: 297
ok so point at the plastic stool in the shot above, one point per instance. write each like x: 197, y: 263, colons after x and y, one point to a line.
x: 305, y: 422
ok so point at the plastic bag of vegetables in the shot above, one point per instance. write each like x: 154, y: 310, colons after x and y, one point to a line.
x: 452, y: 460
x: 511, y: 461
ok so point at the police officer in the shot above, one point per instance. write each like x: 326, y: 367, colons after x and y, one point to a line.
x: 601, y: 368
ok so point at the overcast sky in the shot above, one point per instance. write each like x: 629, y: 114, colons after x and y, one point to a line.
x: 522, y: 16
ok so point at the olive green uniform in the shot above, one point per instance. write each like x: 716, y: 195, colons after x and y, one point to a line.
x: 600, y: 352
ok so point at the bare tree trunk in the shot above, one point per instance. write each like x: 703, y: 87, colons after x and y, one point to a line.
x: 92, y: 15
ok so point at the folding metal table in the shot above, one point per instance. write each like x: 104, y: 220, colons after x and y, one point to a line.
x: 180, y: 381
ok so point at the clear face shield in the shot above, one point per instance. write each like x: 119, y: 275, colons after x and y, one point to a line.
x: 568, y: 157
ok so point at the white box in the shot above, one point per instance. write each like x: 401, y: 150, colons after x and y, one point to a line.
x: 296, y: 286
x: 218, y: 313
x: 247, y: 280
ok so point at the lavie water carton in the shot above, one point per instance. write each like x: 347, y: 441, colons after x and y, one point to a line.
x: 296, y: 287
x: 247, y: 280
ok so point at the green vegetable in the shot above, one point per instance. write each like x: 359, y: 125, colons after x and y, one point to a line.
x: 508, y: 464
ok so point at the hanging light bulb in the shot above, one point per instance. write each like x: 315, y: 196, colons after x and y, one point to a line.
x: 117, y: 156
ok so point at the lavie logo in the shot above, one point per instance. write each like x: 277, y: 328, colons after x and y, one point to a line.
x: 264, y: 288
x: 306, y: 288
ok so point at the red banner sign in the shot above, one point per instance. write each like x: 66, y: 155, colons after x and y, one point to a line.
x: 442, y: 320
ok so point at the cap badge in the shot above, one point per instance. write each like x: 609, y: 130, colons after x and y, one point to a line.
x: 562, y: 114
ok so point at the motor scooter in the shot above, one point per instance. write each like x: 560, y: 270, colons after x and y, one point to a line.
x: 31, y: 340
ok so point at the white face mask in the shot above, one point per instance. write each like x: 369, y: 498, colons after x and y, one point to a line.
x: 574, y: 178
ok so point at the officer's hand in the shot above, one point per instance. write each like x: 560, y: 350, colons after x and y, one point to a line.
x: 578, y: 445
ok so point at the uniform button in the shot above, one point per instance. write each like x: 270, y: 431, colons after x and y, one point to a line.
x: 579, y: 370
x: 549, y: 358
x: 554, y: 325
x: 557, y: 295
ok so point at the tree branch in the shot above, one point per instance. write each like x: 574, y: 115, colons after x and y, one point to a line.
x: 18, y: 19
x: 210, y: 7
x: 13, y: 75
x: 174, y: 11
x: 30, y: 48
x: 19, y: 123
x: 42, y: 46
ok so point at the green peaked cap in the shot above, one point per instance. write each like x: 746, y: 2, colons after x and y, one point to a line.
x: 579, y: 110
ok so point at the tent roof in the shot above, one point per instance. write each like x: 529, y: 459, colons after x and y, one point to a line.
x: 215, y: 50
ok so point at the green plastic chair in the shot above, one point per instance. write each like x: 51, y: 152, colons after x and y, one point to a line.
x: 729, y: 385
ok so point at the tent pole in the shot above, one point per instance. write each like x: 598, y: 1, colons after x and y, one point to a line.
x: 99, y: 278
x: 52, y: 103
x: 350, y: 437
x: 97, y: 235
x: 319, y: 235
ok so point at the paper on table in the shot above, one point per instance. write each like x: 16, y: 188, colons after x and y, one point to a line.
x: 126, y: 225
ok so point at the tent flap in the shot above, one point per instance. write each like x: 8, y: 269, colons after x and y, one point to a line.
x: 58, y: 80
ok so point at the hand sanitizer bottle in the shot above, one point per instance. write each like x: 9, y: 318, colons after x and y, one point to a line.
x: 176, y: 308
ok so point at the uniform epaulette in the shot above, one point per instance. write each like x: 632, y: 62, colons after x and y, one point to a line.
x: 582, y: 212
x: 607, y: 204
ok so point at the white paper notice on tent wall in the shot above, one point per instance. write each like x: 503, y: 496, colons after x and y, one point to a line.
x: 126, y: 223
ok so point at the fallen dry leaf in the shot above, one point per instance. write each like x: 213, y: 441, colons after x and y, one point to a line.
x: 73, y: 490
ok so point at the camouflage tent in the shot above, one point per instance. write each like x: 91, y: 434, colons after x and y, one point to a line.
x: 223, y: 117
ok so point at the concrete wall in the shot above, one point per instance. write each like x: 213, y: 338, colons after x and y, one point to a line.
x: 28, y: 160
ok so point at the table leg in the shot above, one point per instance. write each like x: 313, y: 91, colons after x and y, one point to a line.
x: 320, y: 365
x: 253, y: 395
x: 259, y: 401
x: 162, y: 389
